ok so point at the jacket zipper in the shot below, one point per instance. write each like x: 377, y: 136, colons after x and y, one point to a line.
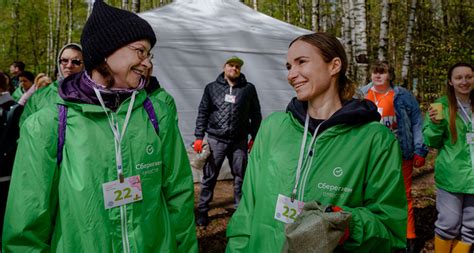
x: 123, y: 209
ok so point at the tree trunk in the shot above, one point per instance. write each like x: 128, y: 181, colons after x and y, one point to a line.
x: 314, y: 15
x: 437, y: 10
x: 301, y: 7
x: 57, y: 43
x: 323, y: 17
x: 347, y: 35
x: 407, y: 52
x: 50, y: 57
x: 287, y: 15
x: 360, y: 45
x: 136, y: 6
x: 69, y: 20
x: 255, y: 5
x: 332, y: 15
x: 125, y: 4
x: 384, y: 23
x: 89, y: 7
x: 15, y: 29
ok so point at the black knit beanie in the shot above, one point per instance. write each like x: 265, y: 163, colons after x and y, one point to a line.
x: 108, y: 29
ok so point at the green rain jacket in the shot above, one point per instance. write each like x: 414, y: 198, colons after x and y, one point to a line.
x: 41, y: 98
x: 155, y: 90
x: 453, y: 168
x: 356, y: 166
x: 17, y: 93
x: 53, y: 209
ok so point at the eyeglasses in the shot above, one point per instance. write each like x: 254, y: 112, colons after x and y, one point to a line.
x: 64, y: 61
x: 142, y: 53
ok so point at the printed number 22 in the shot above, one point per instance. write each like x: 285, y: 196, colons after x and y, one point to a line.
x: 289, y: 210
x: 118, y: 194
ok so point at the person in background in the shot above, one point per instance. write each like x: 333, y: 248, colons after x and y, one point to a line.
x: 15, y: 69
x: 42, y: 80
x: 106, y: 170
x: 26, y: 89
x: 10, y: 113
x: 327, y: 147
x: 453, y: 135
x: 401, y: 113
x: 70, y: 61
x: 229, y: 112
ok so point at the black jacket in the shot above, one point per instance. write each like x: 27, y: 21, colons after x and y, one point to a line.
x: 226, y: 121
x: 10, y: 113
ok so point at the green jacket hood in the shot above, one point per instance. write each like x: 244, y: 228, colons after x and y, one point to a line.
x: 353, y: 112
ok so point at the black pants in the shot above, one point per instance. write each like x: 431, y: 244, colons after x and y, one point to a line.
x: 236, y: 153
x: 3, y: 202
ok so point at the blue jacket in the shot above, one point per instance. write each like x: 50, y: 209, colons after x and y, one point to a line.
x: 409, y: 121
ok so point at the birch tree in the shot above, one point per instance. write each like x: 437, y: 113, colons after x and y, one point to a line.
x: 314, y: 15
x: 69, y: 20
x: 437, y: 10
x: 255, y: 5
x: 125, y: 4
x: 360, y: 42
x: 407, y: 51
x: 50, y: 58
x: 90, y: 3
x: 287, y: 10
x: 384, y: 23
x: 136, y: 6
x: 347, y: 34
x: 58, y: 28
x: 15, y: 28
x: 323, y: 19
x: 301, y: 7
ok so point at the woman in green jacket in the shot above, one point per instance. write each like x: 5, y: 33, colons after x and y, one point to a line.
x: 453, y: 135
x: 123, y: 183
x: 328, y: 148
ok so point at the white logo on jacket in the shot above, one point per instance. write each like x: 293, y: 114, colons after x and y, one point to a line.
x: 149, y: 149
x: 337, y: 172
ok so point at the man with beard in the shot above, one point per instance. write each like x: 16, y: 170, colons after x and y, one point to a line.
x: 229, y: 112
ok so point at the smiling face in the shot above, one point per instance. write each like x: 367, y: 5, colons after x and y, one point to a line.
x: 70, y: 62
x: 462, y: 81
x: 309, y: 74
x: 126, y: 67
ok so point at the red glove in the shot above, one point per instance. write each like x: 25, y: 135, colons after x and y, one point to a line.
x: 250, y: 145
x: 198, y: 146
x: 418, y: 161
x: 346, y: 231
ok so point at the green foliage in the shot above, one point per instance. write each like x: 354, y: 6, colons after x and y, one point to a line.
x: 437, y: 44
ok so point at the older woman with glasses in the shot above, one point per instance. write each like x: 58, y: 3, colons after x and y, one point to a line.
x: 107, y: 170
x: 70, y: 62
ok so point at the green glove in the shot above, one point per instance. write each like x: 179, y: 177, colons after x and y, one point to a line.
x: 316, y: 229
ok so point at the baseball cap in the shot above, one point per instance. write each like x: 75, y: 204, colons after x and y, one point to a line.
x: 235, y: 59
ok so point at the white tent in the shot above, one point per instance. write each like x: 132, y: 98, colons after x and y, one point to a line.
x: 195, y: 37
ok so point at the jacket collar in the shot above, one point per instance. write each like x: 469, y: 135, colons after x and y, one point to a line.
x: 352, y: 112
x: 79, y: 88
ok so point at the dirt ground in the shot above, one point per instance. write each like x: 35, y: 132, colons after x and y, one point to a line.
x: 212, y: 238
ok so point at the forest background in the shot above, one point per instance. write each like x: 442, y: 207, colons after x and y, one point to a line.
x: 420, y: 38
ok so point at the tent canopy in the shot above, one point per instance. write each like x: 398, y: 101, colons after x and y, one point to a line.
x: 195, y: 37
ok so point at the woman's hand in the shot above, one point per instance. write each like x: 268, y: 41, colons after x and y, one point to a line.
x: 432, y: 113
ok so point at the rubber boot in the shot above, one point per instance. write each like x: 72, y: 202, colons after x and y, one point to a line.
x: 442, y: 246
x: 461, y: 247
